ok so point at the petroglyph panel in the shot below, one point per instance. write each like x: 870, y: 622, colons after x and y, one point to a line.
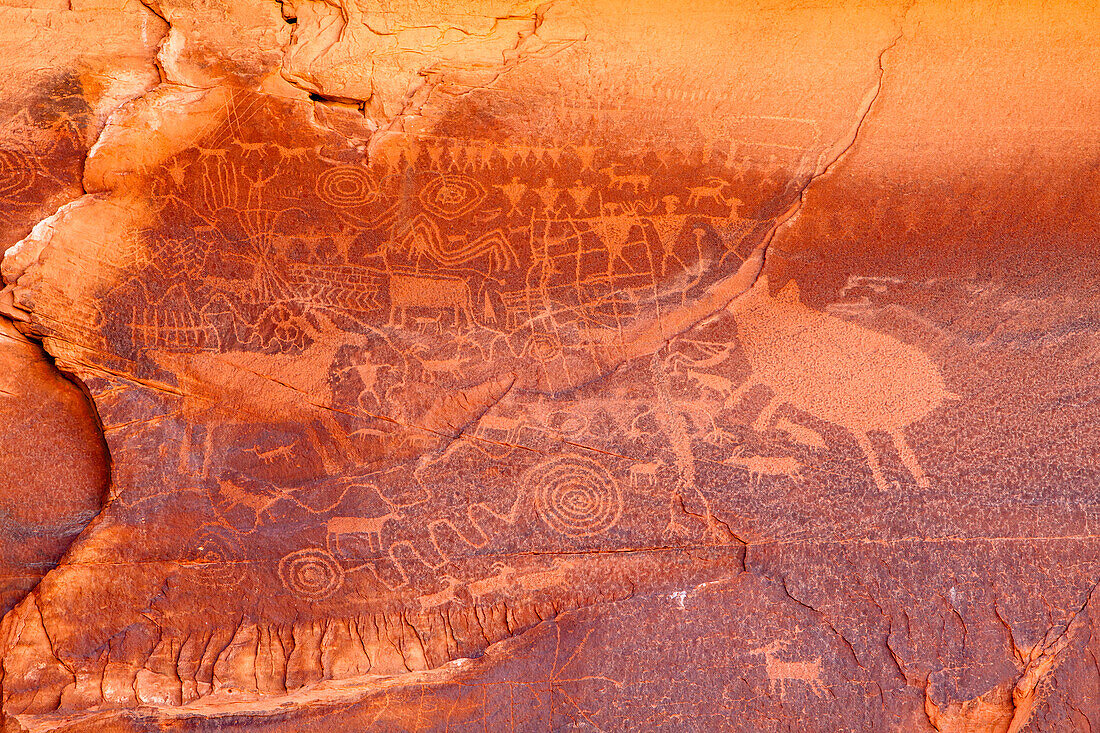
x: 579, y: 352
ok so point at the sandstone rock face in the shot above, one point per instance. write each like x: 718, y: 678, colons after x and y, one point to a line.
x: 73, y: 67
x: 598, y: 366
x: 54, y: 465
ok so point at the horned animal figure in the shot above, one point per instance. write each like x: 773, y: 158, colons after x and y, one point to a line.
x: 437, y: 293
x: 837, y: 371
x: 714, y: 190
x: 370, y: 526
x: 619, y: 181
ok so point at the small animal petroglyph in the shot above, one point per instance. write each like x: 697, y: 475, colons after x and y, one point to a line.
x: 801, y: 434
x: 370, y: 526
x: 781, y: 673
x: 759, y: 466
x: 415, y: 291
x: 644, y: 474
x: 837, y: 371
x: 448, y: 595
x: 714, y: 190
x: 715, y: 382
x: 618, y: 181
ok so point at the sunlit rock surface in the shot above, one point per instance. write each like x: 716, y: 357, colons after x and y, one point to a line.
x: 517, y: 366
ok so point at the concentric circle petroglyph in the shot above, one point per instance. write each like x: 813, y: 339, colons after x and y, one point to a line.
x: 452, y: 196
x: 312, y: 573
x: 346, y: 186
x: 16, y: 173
x: 544, y: 346
x: 575, y: 495
x: 214, y: 561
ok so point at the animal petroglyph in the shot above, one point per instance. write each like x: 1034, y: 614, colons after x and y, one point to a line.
x: 760, y: 466
x: 714, y: 190
x: 801, y: 434
x: 720, y: 385
x: 370, y: 526
x: 781, y: 672
x: 837, y: 371
x: 435, y: 293
x: 644, y: 474
x: 637, y: 182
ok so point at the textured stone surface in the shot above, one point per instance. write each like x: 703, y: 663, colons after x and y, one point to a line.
x: 53, y: 465
x: 598, y: 366
x: 68, y: 68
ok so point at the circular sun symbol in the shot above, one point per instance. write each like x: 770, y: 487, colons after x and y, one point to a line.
x: 312, y: 573
x: 346, y: 186
x: 575, y: 496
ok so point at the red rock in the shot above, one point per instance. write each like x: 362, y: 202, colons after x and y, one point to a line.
x: 52, y: 460
x: 546, y: 366
x: 71, y: 68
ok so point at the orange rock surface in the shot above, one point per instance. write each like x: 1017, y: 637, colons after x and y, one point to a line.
x: 520, y: 366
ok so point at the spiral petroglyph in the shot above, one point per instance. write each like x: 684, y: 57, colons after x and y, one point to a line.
x: 346, y: 186
x: 16, y: 173
x: 575, y: 496
x: 214, y: 561
x: 312, y: 573
x: 452, y: 196
x: 544, y: 346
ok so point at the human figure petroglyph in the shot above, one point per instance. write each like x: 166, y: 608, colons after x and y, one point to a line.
x: 548, y: 193
x: 513, y: 191
x: 668, y: 227
x: 580, y: 195
x: 837, y: 371
x: 614, y: 232
x: 586, y: 153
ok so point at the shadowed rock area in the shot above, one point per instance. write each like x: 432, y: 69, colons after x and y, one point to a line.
x: 519, y: 366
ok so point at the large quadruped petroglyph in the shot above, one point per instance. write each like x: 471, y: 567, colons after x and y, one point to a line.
x: 549, y: 366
